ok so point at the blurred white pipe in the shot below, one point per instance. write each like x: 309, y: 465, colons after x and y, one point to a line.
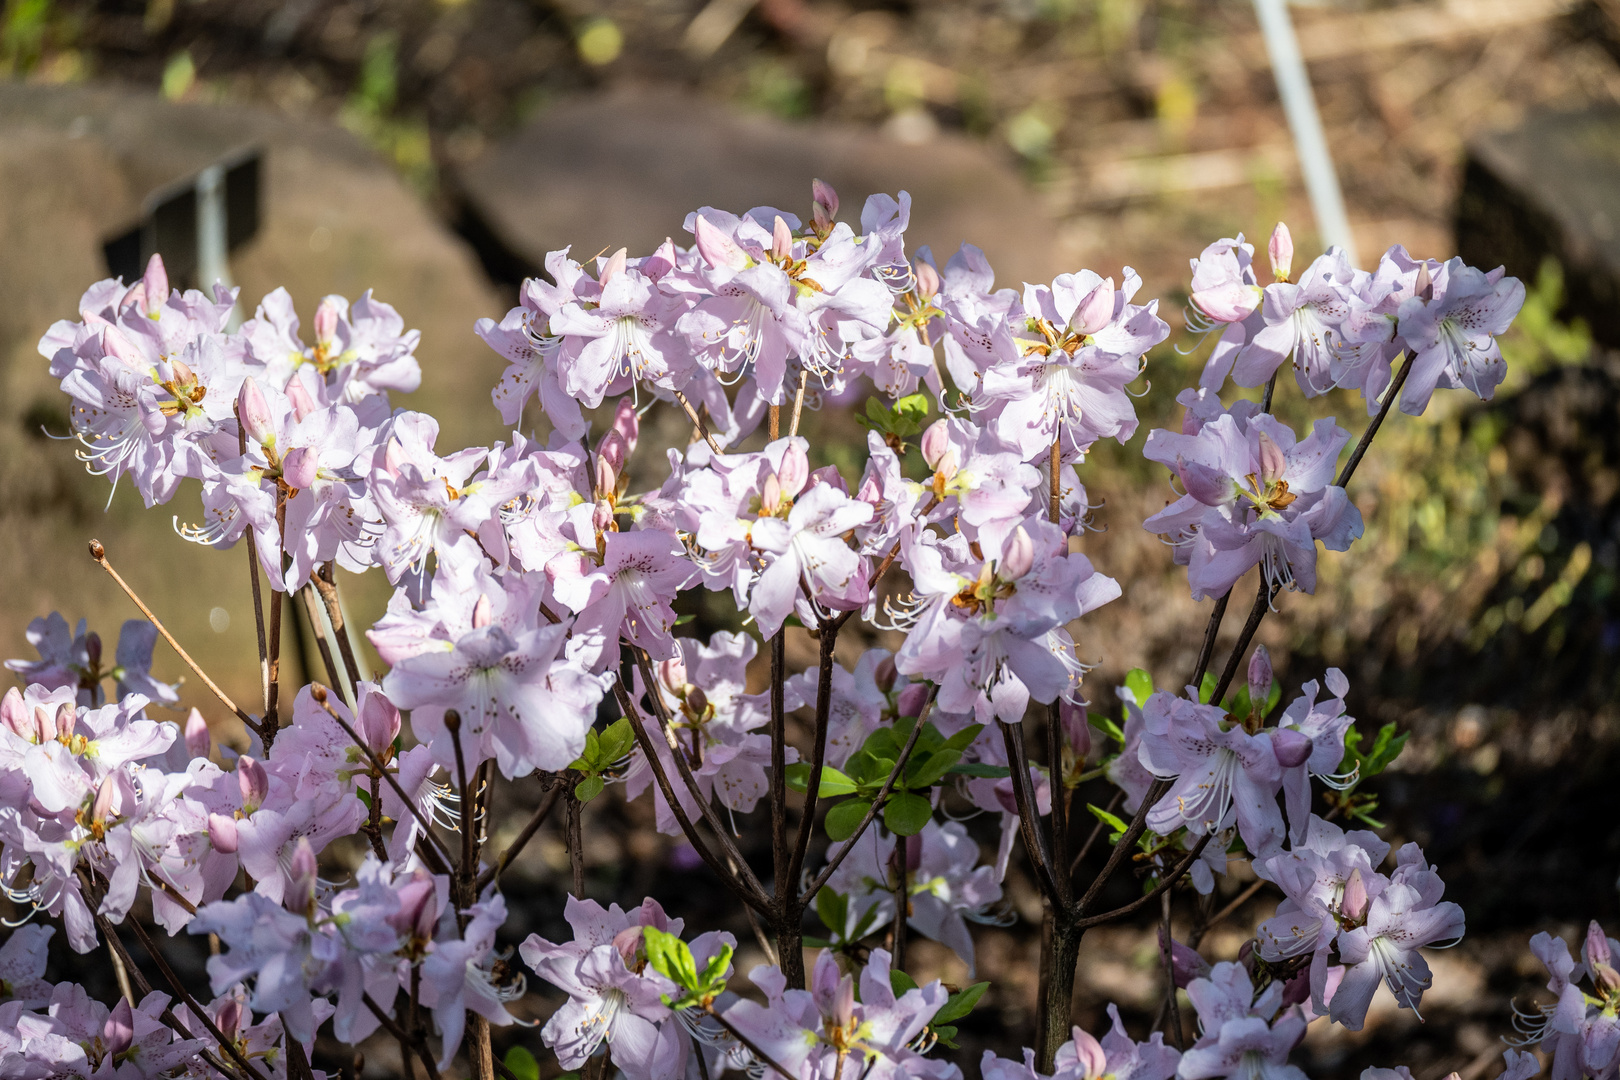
x: 1305, y: 123
x: 212, y: 263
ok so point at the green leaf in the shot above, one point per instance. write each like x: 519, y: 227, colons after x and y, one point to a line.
x: 682, y: 620
x: 868, y: 921
x: 964, y: 738
x: 616, y: 741
x: 1206, y: 689
x: 1140, y: 684
x: 714, y: 975
x: 1238, y: 705
x: 365, y: 797
x: 945, y: 1034
x: 906, y: 814
x: 926, y: 773
x: 977, y: 768
x: 845, y: 818
x: 960, y: 1003
x: 832, y: 908
x: 882, y: 743
x: 833, y: 782
x: 588, y: 788
x: 1111, y: 729
x: 1117, y: 824
x: 900, y: 982
x: 521, y: 1064
x: 670, y: 957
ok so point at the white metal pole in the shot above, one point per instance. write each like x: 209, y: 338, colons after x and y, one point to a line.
x: 212, y: 265
x: 1305, y: 123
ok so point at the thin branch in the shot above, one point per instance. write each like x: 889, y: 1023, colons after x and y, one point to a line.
x: 1165, y: 882
x: 576, y: 840
x: 313, y: 612
x: 902, y: 902
x: 408, y: 1044
x: 818, y: 759
x: 1172, y: 1006
x: 325, y: 580
x: 1225, y: 913
x: 1096, y: 831
x: 877, y: 803
x: 1262, y: 604
x: 697, y: 422
x: 1377, y: 422
x: 1211, y: 631
x: 1028, y: 816
x: 798, y: 403
x: 522, y: 839
x: 258, y: 597
x: 99, y: 553
x: 1126, y: 842
x: 779, y: 845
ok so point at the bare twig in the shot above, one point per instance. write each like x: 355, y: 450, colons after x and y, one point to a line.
x: 1390, y: 396
x: 325, y: 581
x: 1172, y: 1006
x: 1166, y: 880
x: 818, y: 758
x: 1029, y: 822
x: 1225, y: 913
x: 522, y: 839
x: 697, y: 422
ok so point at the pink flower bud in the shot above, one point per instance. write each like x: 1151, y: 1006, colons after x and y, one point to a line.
x: 44, y: 726
x: 1076, y: 728
x: 483, y: 612
x: 66, y: 719
x: 1089, y: 1055
x: 1597, y: 946
x: 1228, y: 303
x: 1272, y: 461
x: 912, y: 699
x: 1292, y: 747
x: 1260, y: 677
x: 253, y: 782
x: 1245, y: 956
x: 602, y: 516
x: 794, y: 470
x: 1185, y: 963
x: 1297, y: 991
x: 613, y: 451
x: 301, y: 875
x: 300, y: 467
x: 1017, y: 556
x: 627, y: 424
x: 117, y: 346
x: 826, y: 200
x: 92, y: 649
x: 379, y: 722
x: 156, y: 280
x: 181, y: 373
x: 627, y: 942
x: 612, y: 268
x: 770, y: 496
x: 1096, y: 310
x: 912, y: 850
x: 1354, y: 905
x: 298, y: 397
x: 418, y: 907
x: 1423, y: 289
x: 196, y: 735
x: 14, y: 714
x: 222, y: 833
x: 229, y: 1018
x: 118, y: 1033
x: 106, y: 795
x: 135, y: 297
x: 885, y: 674
x: 696, y: 700
x: 1281, y: 250
x: 254, y: 413
x: 781, y: 239
x: 718, y: 250
x: 606, y: 478
x: 927, y: 280
x: 672, y: 673
x: 935, y: 441
x: 326, y: 318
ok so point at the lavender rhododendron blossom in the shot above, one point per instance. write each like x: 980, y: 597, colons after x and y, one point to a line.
x: 634, y: 630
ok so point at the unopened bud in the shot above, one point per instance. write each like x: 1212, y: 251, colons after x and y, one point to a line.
x: 452, y: 721
x: 196, y: 735
x: 1096, y: 309
x: 44, y: 726
x: 483, y: 612
x: 927, y: 280
x: 885, y: 674
x: 696, y: 700
x: 222, y: 833
x: 1017, y: 556
x: 826, y: 203
x: 672, y: 673
x: 1423, y: 288
x: 1185, y: 962
x: 229, y: 1018
x: 935, y: 442
x: 92, y: 649
x: 1354, y: 904
x: 1272, y: 461
x: 607, y: 473
x: 627, y: 942
x: 300, y: 468
x: 254, y: 413
x: 326, y: 319
x: 301, y: 876
x: 1597, y: 945
x: 106, y: 795
x: 14, y: 714
x: 379, y: 722
x: 718, y: 250
x: 156, y: 280
x: 118, y: 1033
x: 770, y: 496
x: 1281, y: 250
x: 613, y: 267
x: 602, y: 516
x: 1076, y: 728
x: 1245, y: 956
x: 627, y: 424
x: 1297, y: 991
x: 1089, y: 1054
x: 136, y: 296
x: 781, y: 239
x: 66, y: 719
x: 794, y: 471
x: 253, y: 782
x: 418, y: 907
x: 182, y: 373
x: 912, y: 699
x: 119, y: 347
x: 1260, y: 677
x: 1292, y: 747
x: 299, y: 397
x: 1228, y: 303
x: 613, y: 450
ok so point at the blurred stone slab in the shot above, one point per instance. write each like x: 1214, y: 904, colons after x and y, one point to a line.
x: 1550, y: 187
x: 626, y: 168
x: 75, y: 164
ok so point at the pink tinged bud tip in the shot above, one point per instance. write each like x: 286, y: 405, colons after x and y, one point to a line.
x: 627, y: 943
x: 602, y: 516
x: 1076, y: 728
x: 1096, y: 310
x: 885, y: 674
x: 1272, y: 461
x: 717, y: 249
x: 379, y: 722
x: 118, y: 1033
x: 44, y: 727
x: 912, y: 699
x: 607, y: 476
x: 1185, y: 962
x: 196, y: 735
x: 927, y: 280
x: 300, y: 468
x: 254, y: 413
x: 326, y: 319
x: 302, y: 404
x: 1597, y: 945
x: 770, y: 496
x: 1089, y: 1055
x: 66, y: 719
x: 913, y: 852
x: 1423, y: 289
x: 1281, y: 250
x: 935, y: 441
x: 483, y: 612
x: 627, y: 425
x: 826, y: 200
x: 613, y: 267
x: 156, y: 280
x: 253, y: 782
x: 301, y: 867
x: 222, y: 833
x: 1354, y: 905
x: 1017, y: 557
x: 119, y: 347
x: 14, y: 714
x: 1292, y: 747
x: 92, y: 648
x: 781, y: 239
x: 794, y: 470
x: 672, y: 673
x: 106, y: 794
x: 1260, y: 677
x: 1228, y: 303
x: 229, y: 1018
